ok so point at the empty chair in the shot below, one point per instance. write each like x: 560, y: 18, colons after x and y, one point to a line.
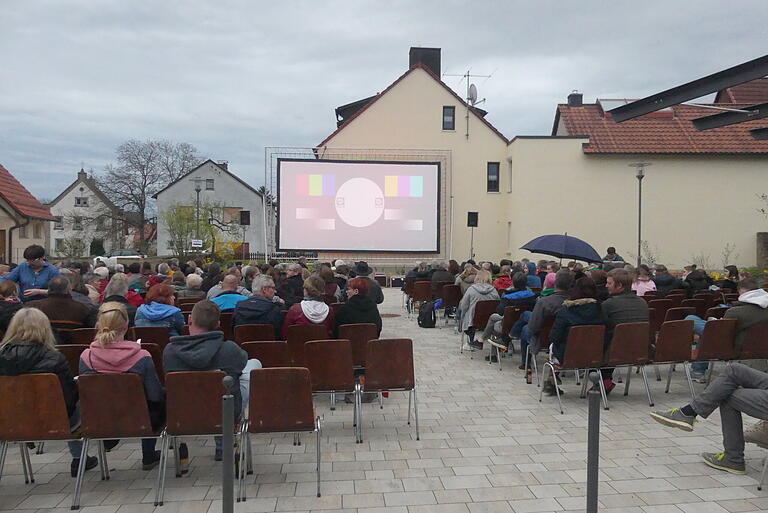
x: 359, y: 335
x: 290, y: 411
x: 254, y: 332
x: 716, y: 311
x: 273, y: 353
x: 629, y: 347
x: 699, y: 304
x: 72, y: 353
x: 82, y: 336
x: 679, y: 313
x: 298, y: 334
x: 390, y: 368
x: 677, y: 299
x: 673, y: 345
x: 151, y: 335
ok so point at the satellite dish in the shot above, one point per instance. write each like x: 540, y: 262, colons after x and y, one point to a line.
x: 472, y: 94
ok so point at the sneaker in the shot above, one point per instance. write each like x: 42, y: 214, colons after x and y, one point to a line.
x: 476, y: 345
x: 674, y: 418
x: 218, y: 455
x: 148, y: 462
x: 183, y: 458
x: 757, y: 434
x: 90, y: 463
x: 549, y: 389
x: 492, y: 359
x: 720, y: 462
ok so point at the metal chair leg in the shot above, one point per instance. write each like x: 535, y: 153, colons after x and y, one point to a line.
x: 25, y: 455
x: 381, y: 401
x: 410, y: 397
x: 578, y: 376
x: 100, y: 451
x: 80, y: 474
x: 416, y: 411
x: 709, y: 371
x: 249, y: 466
x: 602, y: 392
x: 359, y: 394
x: 690, y: 381
x: 544, y: 376
x: 160, y: 493
x: 3, y: 453
x: 333, y: 401
x: 669, y: 379
x: 658, y: 372
x: 176, y: 456
x: 245, y: 442
x: 629, y: 377
x: 40, y: 446
x: 23, y: 462
x: 318, y: 429
x: 762, y: 474
x: 647, y: 387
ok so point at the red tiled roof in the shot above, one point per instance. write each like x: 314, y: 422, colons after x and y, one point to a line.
x: 659, y: 132
x: 18, y: 197
x: 393, y: 84
x: 749, y: 93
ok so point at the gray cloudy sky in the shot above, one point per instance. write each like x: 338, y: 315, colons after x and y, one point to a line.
x: 78, y: 77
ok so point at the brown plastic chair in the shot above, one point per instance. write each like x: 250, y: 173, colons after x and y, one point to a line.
x: 451, y: 298
x: 717, y: 342
x: 193, y: 408
x: 422, y: 291
x: 583, y: 350
x: 335, y: 307
x: 330, y: 299
x: 63, y: 330
x: 185, y: 330
x: 661, y: 306
x: 716, y: 311
x: 440, y: 288
x: 225, y: 323
x: 152, y: 335
x: 391, y: 368
x: 32, y: 409
x: 156, y: 352
x: 330, y: 367
x: 699, y: 304
x: 254, y: 333
x: 681, y: 292
x: 72, y: 353
x: 188, y: 301
x: 754, y: 345
x: 679, y: 313
x: 709, y: 298
x: 535, y: 346
x: 82, y: 336
x: 290, y: 411
x: 297, y: 335
x: 630, y: 348
x: 483, y: 310
x: 673, y: 345
x: 272, y: 353
x: 677, y: 299
x: 112, y: 406
x: 359, y: 335
x: 730, y: 298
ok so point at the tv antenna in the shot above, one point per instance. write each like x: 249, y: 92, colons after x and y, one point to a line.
x: 471, y: 92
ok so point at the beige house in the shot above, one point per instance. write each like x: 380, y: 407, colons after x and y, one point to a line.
x: 23, y: 220
x: 700, y: 193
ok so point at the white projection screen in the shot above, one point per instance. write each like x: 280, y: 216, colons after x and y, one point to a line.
x: 352, y: 205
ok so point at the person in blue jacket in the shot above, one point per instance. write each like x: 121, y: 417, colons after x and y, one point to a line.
x: 33, y: 274
x: 159, y: 310
x: 229, y: 297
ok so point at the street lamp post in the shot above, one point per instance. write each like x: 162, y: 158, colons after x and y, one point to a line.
x: 198, y: 189
x: 640, y: 166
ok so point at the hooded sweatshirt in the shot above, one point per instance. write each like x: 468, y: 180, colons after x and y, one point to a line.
x: 123, y: 356
x: 204, y: 352
x: 751, y: 309
x: 477, y: 292
x: 309, y: 311
x: 160, y: 314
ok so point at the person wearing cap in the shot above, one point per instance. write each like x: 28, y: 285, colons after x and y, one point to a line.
x: 363, y: 271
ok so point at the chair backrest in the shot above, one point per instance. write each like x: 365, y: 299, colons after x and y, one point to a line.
x: 82, y: 336
x: 280, y: 400
x: 297, y: 335
x: 330, y: 365
x: 716, y: 311
x: 185, y: 330
x: 152, y: 335
x: 674, y: 342
x: 32, y: 408
x: 63, y: 330
x: 390, y: 365
x: 754, y: 344
x: 193, y: 402
x: 661, y: 306
x: 679, y: 313
x: 335, y: 307
x: 543, y: 339
x: 156, y: 352
x: 359, y: 335
x: 730, y: 298
x: 329, y: 299
x: 584, y: 347
x: 699, y: 304
x: 511, y: 315
x: 655, y: 320
x: 271, y: 353
x: 451, y: 295
x: 113, y: 406
x: 483, y: 310
x: 681, y: 292
x: 440, y: 288
x: 709, y: 298
x: 677, y: 299
x: 254, y: 332
x: 225, y: 323
x: 630, y: 344
x: 422, y: 291
x: 536, y: 290
x: 188, y: 301
x: 409, y: 281
x: 72, y: 353
x: 718, y: 340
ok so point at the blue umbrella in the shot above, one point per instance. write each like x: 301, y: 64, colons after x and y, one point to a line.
x: 563, y: 246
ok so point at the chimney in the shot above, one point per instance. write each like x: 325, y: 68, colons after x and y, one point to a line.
x: 81, y: 174
x: 575, y: 99
x: 427, y: 57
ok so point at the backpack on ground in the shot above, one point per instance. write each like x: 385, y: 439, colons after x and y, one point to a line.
x: 427, y: 317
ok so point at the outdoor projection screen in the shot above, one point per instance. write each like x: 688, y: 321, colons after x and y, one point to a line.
x: 334, y: 205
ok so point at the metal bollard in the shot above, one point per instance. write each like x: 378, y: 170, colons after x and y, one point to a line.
x: 593, y: 443
x: 227, y: 447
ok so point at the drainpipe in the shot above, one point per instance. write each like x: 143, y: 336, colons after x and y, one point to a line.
x: 10, y: 237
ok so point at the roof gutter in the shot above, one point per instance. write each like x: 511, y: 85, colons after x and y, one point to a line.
x: 10, y: 236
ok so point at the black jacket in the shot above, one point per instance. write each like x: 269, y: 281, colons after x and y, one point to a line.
x: 697, y: 280
x: 439, y: 277
x: 579, y: 312
x: 292, y: 290
x: 7, y: 309
x: 258, y: 310
x: 666, y: 282
x: 207, y: 351
x: 128, y: 307
x: 358, y: 309
x: 17, y: 358
x: 375, y: 293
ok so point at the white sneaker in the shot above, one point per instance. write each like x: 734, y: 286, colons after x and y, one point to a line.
x: 467, y: 347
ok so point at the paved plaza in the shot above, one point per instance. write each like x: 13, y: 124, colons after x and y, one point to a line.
x: 487, y: 446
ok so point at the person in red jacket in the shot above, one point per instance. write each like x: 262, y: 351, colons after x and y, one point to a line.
x: 312, y: 309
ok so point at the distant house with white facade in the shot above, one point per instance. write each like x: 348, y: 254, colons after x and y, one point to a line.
x: 238, y: 214
x: 86, y: 222
x: 23, y: 220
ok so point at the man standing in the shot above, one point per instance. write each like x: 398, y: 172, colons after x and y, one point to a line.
x: 261, y: 307
x: 363, y: 271
x: 292, y: 289
x: 33, y: 274
x: 65, y: 313
x: 229, y: 296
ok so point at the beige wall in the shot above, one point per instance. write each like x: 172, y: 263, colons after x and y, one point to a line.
x: 19, y: 244
x: 691, y: 204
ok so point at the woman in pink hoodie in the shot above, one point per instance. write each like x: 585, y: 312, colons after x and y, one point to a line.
x: 643, y: 282
x: 110, y: 353
x: 312, y: 309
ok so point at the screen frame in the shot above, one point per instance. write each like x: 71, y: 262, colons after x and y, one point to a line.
x: 335, y: 161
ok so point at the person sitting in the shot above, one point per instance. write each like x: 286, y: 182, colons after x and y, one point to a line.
x: 466, y: 278
x: 519, y: 296
x: 362, y: 270
x: 341, y: 276
x: 440, y: 277
x: 212, y: 277
x: 32, y: 275
x: 580, y: 309
x: 480, y: 290
x: 331, y: 288
x: 28, y: 347
x: 292, y: 288
x: 311, y: 310
x: 159, y: 310
x: 541, y: 270
x: 249, y: 273
x: 643, y: 282
x: 218, y: 289
x: 665, y: 282
x: 263, y: 307
x: 600, y: 278
x: 9, y: 303
x: 697, y: 280
x: 621, y: 307
x: 548, y: 285
x: 110, y: 353
x: 103, y: 273
x: 533, y: 280
x: 739, y: 389
x: 177, y: 281
x: 504, y: 280
x: 229, y: 296
x: 65, y: 313
x: 732, y: 279
x: 78, y: 290
x: 193, y: 281
x: 205, y: 349
x: 117, y: 291
x: 359, y: 307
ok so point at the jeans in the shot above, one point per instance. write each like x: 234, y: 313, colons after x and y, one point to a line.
x: 698, y: 329
x: 739, y: 389
x: 245, y: 380
x: 75, y: 446
x: 493, y: 325
x: 525, y: 341
x: 517, y: 328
